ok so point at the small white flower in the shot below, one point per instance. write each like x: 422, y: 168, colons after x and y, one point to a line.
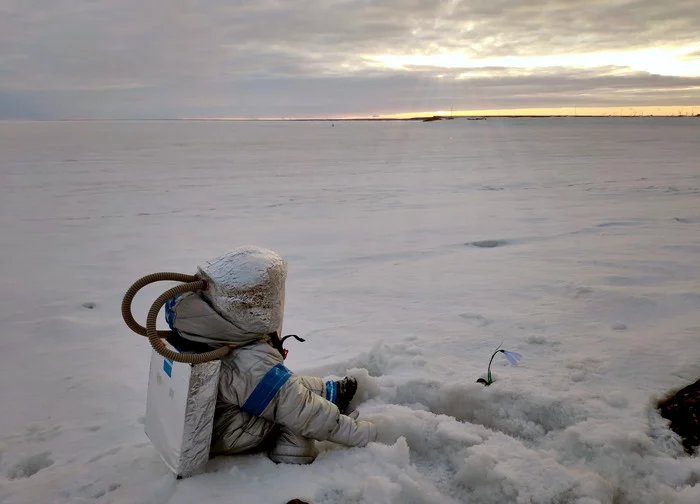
x: 513, y: 357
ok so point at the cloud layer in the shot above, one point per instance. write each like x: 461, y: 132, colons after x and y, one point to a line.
x: 175, y: 58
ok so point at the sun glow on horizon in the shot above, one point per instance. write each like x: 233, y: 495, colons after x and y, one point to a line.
x: 643, y: 111
x: 632, y: 111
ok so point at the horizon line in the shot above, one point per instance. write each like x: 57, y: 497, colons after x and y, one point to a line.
x: 350, y: 119
x: 573, y: 111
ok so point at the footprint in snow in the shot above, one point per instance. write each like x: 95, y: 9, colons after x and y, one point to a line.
x: 102, y: 455
x: 480, y: 320
x: 617, y: 224
x: 29, y: 466
x: 35, y: 433
x: 110, y: 488
x: 538, y: 339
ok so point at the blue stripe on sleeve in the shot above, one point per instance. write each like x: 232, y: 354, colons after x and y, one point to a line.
x: 266, y: 389
x: 331, y: 391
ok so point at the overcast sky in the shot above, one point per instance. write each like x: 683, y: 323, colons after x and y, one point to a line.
x: 309, y: 58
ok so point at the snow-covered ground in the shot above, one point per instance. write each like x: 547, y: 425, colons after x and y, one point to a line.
x: 593, y: 274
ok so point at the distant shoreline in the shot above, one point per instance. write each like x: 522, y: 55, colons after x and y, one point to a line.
x: 473, y: 118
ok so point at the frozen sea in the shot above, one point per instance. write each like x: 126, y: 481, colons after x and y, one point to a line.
x: 414, y: 250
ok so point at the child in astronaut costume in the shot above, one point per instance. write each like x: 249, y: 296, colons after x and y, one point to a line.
x: 261, y: 403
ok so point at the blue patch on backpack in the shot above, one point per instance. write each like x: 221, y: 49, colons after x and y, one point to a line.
x: 168, y: 367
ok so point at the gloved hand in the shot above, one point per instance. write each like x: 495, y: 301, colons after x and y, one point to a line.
x: 346, y: 389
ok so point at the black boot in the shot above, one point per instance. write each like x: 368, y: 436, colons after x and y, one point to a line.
x: 346, y: 391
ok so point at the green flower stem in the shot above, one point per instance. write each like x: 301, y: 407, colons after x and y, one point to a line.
x: 488, y: 376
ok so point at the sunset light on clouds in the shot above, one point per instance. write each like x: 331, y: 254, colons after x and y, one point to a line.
x: 327, y: 58
x: 659, y: 61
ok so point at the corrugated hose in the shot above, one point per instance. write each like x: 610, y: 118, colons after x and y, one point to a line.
x: 191, y: 283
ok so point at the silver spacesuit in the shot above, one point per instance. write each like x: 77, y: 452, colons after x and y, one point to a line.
x: 261, y: 403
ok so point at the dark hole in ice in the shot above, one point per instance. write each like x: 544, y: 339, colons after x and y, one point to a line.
x: 488, y: 243
x: 683, y: 410
x: 89, y: 305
